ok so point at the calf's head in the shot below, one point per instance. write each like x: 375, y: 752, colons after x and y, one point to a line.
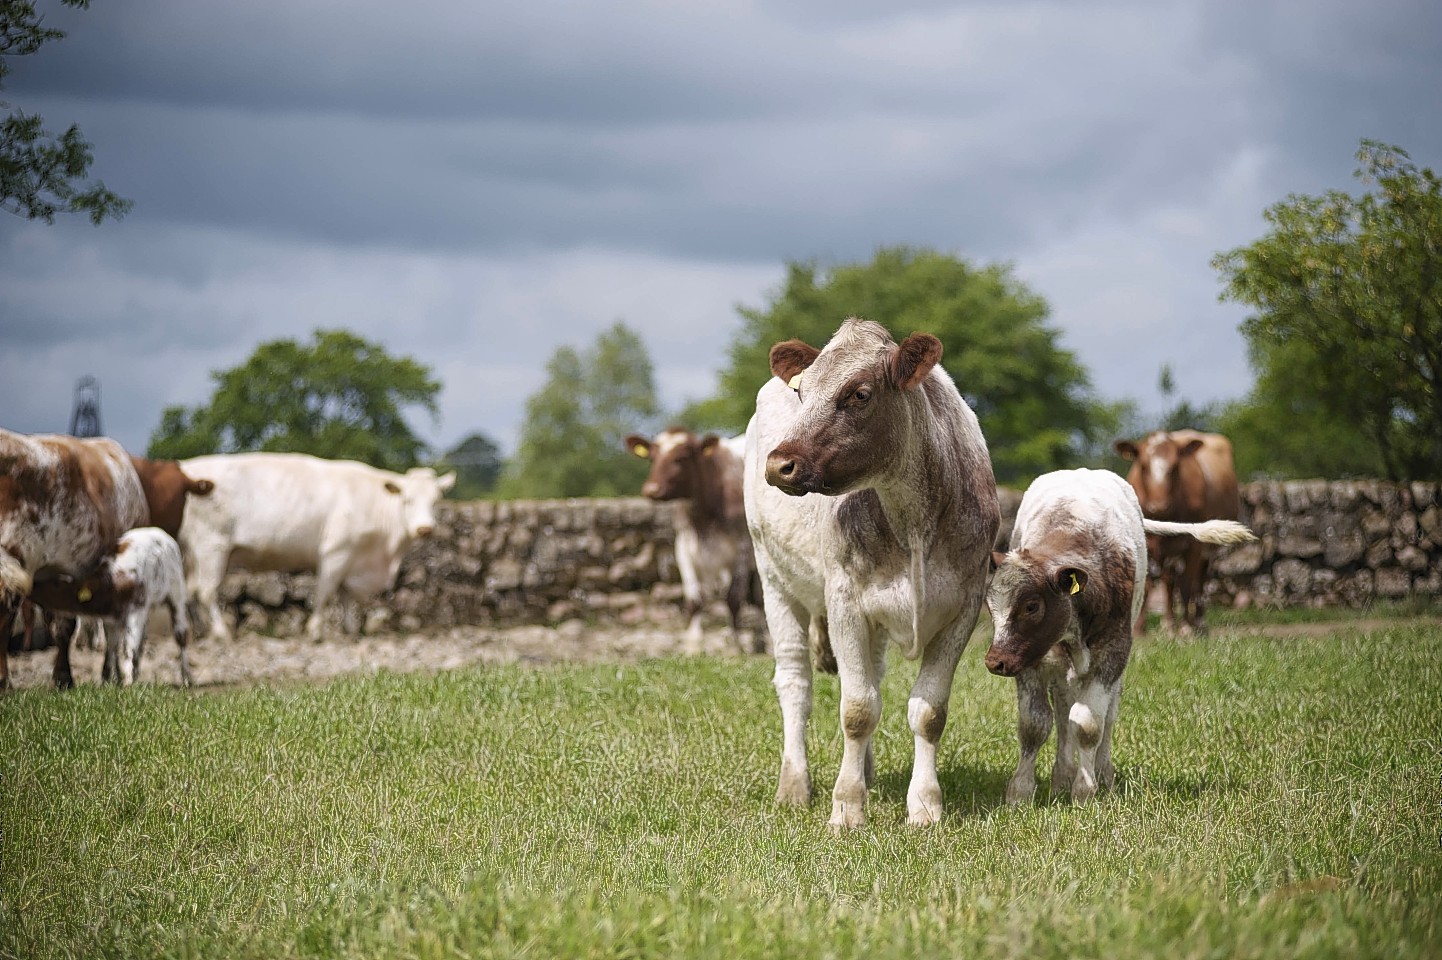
x: 1032, y: 606
x: 418, y: 491
x: 1156, y: 467
x: 854, y: 420
x: 676, y: 455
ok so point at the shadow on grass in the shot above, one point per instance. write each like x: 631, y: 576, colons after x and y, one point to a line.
x: 967, y: 790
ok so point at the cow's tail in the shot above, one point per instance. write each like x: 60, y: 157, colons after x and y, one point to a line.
x: 15, y: 581
x: 1208, y: 531
x: 200, y: 487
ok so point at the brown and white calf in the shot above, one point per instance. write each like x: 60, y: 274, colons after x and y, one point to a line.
x: 64, y: 503
x: 873, y: 510
x: 702, y: 476
x: 1063, y: 601
x: 143, y: 570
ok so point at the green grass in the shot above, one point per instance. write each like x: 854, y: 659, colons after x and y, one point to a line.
x: 1275, y: 798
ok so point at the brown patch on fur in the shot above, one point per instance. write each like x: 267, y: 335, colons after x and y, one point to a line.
x: 166, y: 486
x: 933, y: 724
x: 858, y: 719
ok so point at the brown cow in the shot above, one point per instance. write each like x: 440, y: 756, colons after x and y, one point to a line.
x: 166, y: 487
x: 1183, y: 477
x: 63, y: 504
x: 702, y: 477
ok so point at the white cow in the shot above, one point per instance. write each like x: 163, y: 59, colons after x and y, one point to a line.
x: 873, y: 510
x: 349, y: 522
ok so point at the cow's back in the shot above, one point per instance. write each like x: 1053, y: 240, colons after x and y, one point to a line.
x: 1221, y: 499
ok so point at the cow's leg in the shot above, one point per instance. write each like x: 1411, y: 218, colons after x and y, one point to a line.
x: 1063, y: 772
x: 860, y: 712
x: 110, y: 668
x: 788, y: 625
x: 926, y: 714
x: 62, y: 626
x: 27, y: 625
x: 131, y: 629
x: 1087, y: 719
x: 7, y: 618
x: 1169, y: 590
x: 334, y: 565
x: 1106, y: 773
x: 180, y: 627
x: 1033, y: 726
x: 205, y: 579
x: 1194, y: 580
x: 686, y: 548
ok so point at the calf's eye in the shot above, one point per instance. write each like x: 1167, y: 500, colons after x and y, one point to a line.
x: 861, y: 394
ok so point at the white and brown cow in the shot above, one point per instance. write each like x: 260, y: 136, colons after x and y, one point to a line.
x: 349, y: 522
x: 1063, y: 601
x: 1183, y: 477
x: 141, y: 571
x: 702, y: 477
x: 64, y: 502
x: 873, y: 510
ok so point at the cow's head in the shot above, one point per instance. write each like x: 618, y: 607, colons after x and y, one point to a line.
x: 1033, y: 606
x: 854, y: 420
x: 676, y: 455
x: 419, y: 490
x: 1155, y: 474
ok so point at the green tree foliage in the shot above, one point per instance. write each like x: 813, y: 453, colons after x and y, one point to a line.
x: 1032, y: 396
x: 1182, y: 414
x: 1346, y: 340
x: 41, y: 174
x: 571, y: 439
x: 338, y: 397
x: 477, y: 463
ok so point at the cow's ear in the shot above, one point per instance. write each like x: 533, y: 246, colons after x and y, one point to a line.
x: 709, y: 443
x: 393, y: 487
x: 1070, y: 580
x: 446, y: 481
x: 913, y: 359
x: 1125, y: 449
x: 997, y: 559
x: 1190, y: 447
x: 790, y: 358
x: 639, y: 445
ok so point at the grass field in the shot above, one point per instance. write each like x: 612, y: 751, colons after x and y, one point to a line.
x: 1276, y: 798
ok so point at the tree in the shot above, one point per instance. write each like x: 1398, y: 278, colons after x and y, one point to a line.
x: 1180, y: 414
x: 339, y: 397
x: 1346, y: 339
x: 477, y: 463
x: 41, y: 174
x: 572, y: 437
x: 1032, y: 397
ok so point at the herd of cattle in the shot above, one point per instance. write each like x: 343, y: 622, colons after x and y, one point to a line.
x: 860, y: 500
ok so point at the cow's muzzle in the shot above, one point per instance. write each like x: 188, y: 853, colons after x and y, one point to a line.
x: 792, y: 474
x: 1001, y: 663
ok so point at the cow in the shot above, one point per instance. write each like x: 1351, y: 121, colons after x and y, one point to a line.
x: 63, y: 503
x: 702, y: 476
x: 1063, y: 603
x: 142, y: 570
x: 1183, y: 476
x: 166, y: 487
x: 348, y: 522
x: 873, y: 510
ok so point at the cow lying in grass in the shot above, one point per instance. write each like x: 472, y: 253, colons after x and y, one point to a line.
x: 143, y: 570
x: 1064, y: 601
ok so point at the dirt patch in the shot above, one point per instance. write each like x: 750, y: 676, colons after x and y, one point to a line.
x: 253, y: 658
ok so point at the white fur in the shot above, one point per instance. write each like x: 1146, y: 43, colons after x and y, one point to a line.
x: 150, y: 558
x: 293, y: 512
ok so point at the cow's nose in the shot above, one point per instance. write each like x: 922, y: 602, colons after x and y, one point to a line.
x: 424, y: 531
x: 785, y: 468
x: 649, y: 489
x: 998, y: 664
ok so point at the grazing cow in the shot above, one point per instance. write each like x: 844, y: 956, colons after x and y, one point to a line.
x: 166, y: 487
x: 63, y: 503
x: 1063, y: 602
x: 1183, y: 477
x: 873, y: 510
x: 142, y: 570
x: 702, y: 477
x: 348, y: 522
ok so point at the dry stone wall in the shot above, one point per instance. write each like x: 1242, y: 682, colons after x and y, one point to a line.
x: 549, y: 561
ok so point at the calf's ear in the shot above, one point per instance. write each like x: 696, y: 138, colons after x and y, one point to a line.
x: 709, y: 444
x: 997, y: 559
x: 1070, y: 580
x: 1125, y: 449
x: 913, y: 359
x: 446, y: 481
x: 790, y: 357
x: 639, y: 445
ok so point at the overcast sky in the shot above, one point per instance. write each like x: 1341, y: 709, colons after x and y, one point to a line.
x: 475, y: 184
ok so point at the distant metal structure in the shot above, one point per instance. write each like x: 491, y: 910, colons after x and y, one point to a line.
x: 85, y: 417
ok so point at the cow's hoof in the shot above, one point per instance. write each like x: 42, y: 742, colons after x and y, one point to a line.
x: 846, y: 816
x: 64, y: 682
x: 794, y: 789
x: 1083, y: 788
x: 1020, y: 791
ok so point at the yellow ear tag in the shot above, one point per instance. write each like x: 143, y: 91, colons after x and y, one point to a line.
x: 1075, y: 586
x: 639, y: 450
x: 84, y: 594
x: 795, y: 383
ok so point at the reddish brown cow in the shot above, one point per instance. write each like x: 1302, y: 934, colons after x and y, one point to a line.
x: 63, y: 503
x: 166, y: 487
x: 1183, y: 477
x: 702, y: 476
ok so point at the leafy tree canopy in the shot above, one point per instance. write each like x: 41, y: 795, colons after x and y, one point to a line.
x: 1346, y: 338
x: 338, y: 397
x: 1032, y: 396
x: 41, y: 174
x: 477, y: 463
x: 571, y: 438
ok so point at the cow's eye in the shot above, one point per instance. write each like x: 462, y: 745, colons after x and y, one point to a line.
x: 861, y: 395
x: 1031, y: 608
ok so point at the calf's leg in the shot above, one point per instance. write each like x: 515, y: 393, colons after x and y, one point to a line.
x: 1033, y: 726
x: 7, y: 617
x: 132, y: 635
x: 926, y: 711
x: 860, y: 712
x: 1087, y: 719
x: 63, y: 631
x: 792, y: 681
